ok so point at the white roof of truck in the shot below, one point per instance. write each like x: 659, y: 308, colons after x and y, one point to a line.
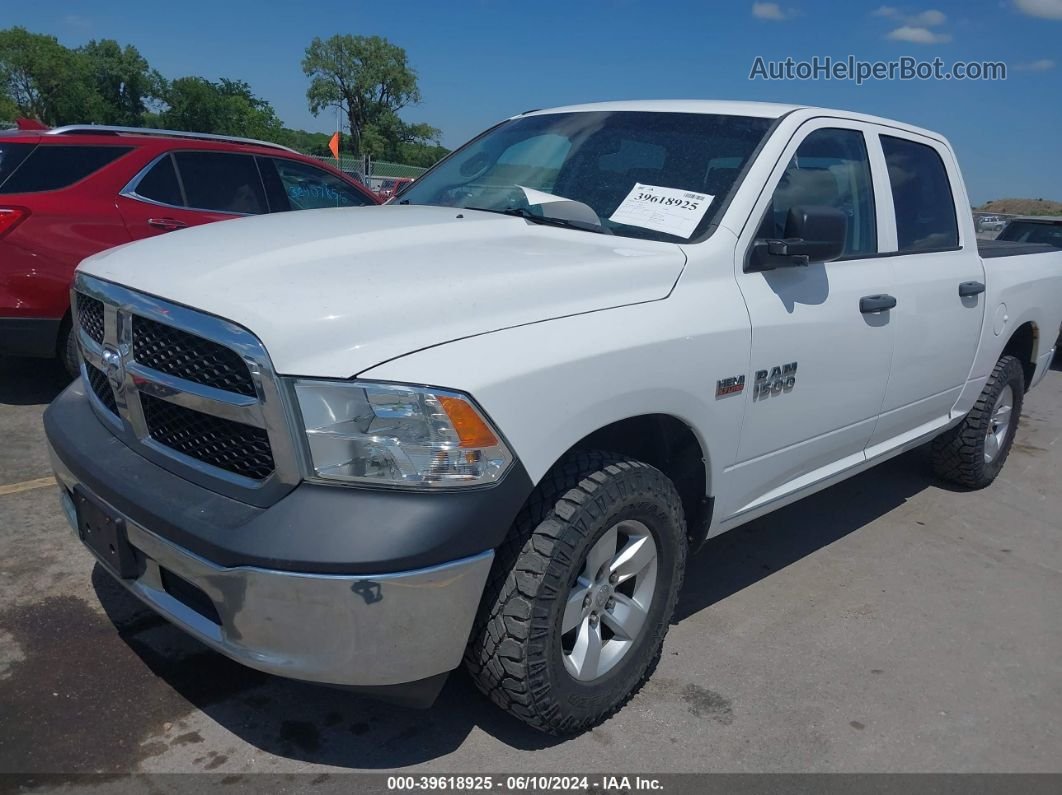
x: 724, y: 107
x: 768, y: 110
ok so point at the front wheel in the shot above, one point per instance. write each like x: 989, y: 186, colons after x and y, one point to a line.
x: 973, y: 452
x: 582, y: 594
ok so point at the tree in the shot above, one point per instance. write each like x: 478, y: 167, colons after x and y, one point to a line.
x: 122, y: 79
x: 227, y: 107
x: 310, y: 143
x: 388, y: 137
x: 370, y: 81
x: 45, y: 80
x: 8, y: 111
x: 420, y: 154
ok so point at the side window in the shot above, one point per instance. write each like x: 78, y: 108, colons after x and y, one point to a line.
x: 221, y: 182
x: 11, y: 155
x: 310, y: 188
x: 55, y: 166
x: 831, y: 169
x: 921, y: 194
x: 160, y: 184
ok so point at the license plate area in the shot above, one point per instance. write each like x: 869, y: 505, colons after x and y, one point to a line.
x: 104, y: 533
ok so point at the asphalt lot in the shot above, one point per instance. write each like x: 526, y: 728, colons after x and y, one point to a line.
x: 887, y: 624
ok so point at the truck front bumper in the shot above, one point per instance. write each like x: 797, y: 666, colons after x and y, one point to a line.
x: 359, y: 630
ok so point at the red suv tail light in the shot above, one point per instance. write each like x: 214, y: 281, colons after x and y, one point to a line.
x: 10, y: 217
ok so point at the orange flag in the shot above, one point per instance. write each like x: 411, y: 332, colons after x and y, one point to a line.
x: 333, y: 146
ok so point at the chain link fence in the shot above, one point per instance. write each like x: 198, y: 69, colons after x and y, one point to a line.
x: 379, y: 171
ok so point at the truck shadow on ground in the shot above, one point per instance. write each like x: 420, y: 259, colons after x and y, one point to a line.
x: 735, y: 560
x: 320, y: 725
x: 296, y: 720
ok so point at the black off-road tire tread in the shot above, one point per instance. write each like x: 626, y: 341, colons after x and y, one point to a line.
x: 66, y: 348
x: 531, y: 569
x: 958, y: 453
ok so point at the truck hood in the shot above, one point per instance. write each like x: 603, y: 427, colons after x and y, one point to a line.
x: 334, y: 292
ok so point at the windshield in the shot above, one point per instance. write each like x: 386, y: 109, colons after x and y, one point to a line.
x: 683, y: 165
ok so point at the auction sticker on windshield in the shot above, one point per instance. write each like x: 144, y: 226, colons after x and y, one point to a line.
x: 669, y: 210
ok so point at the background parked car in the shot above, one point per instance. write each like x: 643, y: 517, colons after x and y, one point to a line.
x: 391, y: 186
x: 990, y: 223
x: 1034, y: 229
x: 70, y: 192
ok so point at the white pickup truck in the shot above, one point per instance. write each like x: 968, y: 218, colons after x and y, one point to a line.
x: 490, y: 420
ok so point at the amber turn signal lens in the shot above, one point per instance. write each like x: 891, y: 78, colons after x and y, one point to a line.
x: 472, y: 430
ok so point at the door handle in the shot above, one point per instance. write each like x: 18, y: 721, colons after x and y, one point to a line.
x: 968, y: 289
x: 166, y: 224
x: 869, y: 304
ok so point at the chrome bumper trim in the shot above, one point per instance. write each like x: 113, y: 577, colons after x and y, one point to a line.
x: 357, y: 630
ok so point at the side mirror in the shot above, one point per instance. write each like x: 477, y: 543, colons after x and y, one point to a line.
x: 812, y: 234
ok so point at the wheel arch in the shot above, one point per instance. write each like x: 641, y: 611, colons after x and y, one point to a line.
x: 1023, y: 344
x: 670, y: 444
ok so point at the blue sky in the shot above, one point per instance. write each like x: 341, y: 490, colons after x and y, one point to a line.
x: 484, y: 60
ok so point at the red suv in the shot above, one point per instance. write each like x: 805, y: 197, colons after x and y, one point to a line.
x: 69, y: 192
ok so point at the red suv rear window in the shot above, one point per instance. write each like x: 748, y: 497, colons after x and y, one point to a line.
x: 54, y: 167
x: 11, y: 154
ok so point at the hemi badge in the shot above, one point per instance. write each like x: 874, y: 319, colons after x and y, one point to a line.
x: 730, y: 386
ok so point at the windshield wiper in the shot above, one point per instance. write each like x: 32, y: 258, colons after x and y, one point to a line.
x: 545, y: 220
x: 549, y: 220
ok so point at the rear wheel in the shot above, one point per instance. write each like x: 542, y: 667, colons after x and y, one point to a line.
x: 66, y: 349
x: 973, y: 452
x: 581, y: 596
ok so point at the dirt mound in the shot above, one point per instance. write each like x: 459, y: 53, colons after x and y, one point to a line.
x: 1021, y: 207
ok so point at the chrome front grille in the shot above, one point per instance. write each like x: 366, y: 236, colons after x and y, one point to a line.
x: 90, y: 313
x: 228, y: 445
x: 191, y: 392
x: 101, y: 388
x: 170, y: 350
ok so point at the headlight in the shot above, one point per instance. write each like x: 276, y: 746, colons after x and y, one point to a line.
x: 398, y: 435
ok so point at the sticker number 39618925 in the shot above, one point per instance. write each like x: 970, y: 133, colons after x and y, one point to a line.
x: 669, y: 210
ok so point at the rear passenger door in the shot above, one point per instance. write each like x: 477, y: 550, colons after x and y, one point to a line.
x: 937, y: 277
x: 186, y: 188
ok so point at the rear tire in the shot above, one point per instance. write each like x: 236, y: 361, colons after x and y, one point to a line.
x: 581, y: 595
x: 66, y: 349
x: 973, y: 452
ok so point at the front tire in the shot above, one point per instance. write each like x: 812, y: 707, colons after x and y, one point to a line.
x: 973, y: 452
x: 581, y: 596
